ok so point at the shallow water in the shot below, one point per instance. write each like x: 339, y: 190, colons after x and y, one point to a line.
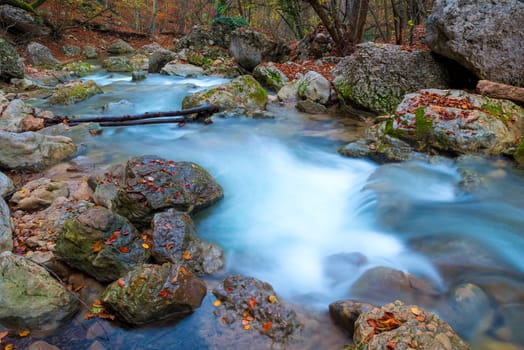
x: 310, y: 222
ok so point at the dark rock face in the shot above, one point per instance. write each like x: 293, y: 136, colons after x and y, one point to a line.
x: 40, y: 55
x: 345, y: 313
x: 254, y: 303
x: 102, y: 244
x: 154, y: 292
x: 377, y: 76
x: 250, y: 48
x: 150, y: 184
x: 11, y: 65
x: 120, y: 47
x: 175, y: 240
x: 486, y: 37
x: 159, y: 59
x: 19, y: 20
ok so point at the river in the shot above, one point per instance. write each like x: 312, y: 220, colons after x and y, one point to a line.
x: 311, y: 222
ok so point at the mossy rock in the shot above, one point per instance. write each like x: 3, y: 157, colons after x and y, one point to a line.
x: 80, y: 69
x: 75, y: 92
x: 519, y: 153
x: 270, y: 76
x: 241, y: 92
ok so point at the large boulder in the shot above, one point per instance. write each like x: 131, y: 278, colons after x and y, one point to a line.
x: 74, y: 92
x: 6, y: 232
x: 38, y: 194
x: 153, y: 293
x: 486, y: 37
x: 377, y: 76
x: 457, y: 122
x: 255, y: 305
x: 18, y: 20
x: 40, y: 55
x: 6, y: 185
x: 159, y: 58
x: 120, y: 47
x: 31, y: 151
x: 175, y: 240
x: 148, y: 184
x: 242, y: 92
x: 18, y: 116
x: 250, y: 48
x: 395, y: 326
x: 102, y: 244
x: 270, y: 76
x: 31, y: 298
x: 181, y: 69
x: 315, y: 87
x: 11, y: 65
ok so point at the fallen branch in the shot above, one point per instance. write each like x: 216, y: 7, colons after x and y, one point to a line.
x: 185, y: 115
x: 503, y: 91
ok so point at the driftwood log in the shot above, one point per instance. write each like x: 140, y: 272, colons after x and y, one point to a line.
x: 503, y: 91
x: 200, y: 113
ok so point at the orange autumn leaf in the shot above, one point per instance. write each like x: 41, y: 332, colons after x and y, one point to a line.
x: 217, y: 303
x: 247, y: 327
x: 267, y: 327
x: 9, y: 347
x: 145, y: 245
x: 420, y: 318
x: 169, y: 246
x: 89, y: 316
x: 186, y: 255
x: 24, y: 333
x: 97, y: 246
x: 3, y: 335
x: 252, y: 302
x: 121, y: 282
x: 124, y: 249
x: 113, y: 238
x: 163, y: 293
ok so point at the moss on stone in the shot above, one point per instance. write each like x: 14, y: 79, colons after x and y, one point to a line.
x: 519, y: 153
x: 423, y: 125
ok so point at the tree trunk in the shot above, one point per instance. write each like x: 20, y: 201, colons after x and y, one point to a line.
x: 503, y: 91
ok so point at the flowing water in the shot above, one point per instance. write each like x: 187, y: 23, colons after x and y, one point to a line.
x: 311, y: 222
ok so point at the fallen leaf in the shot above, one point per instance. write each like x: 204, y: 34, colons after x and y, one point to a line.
x: 169, y: 246
x: 272, y: 299
x: 97, y: 246
x: 267, y: 326
x: 415, y: 310
x: 247, y: 327
x: 420, y: 318
x: 217, y: 303
x: 163, y: 293
x: 391, y: 345
x: 3, y: 335
x: 89, y: 315
x: 121, y: 282
x: 113, y: 238
x: 186, y: 255
x: 145, y: 245
x: 252, y: 302
x: 9, y: 347
x: 24, y: 333
x: 244, y: 322
x: 77, y: 289
x: 124, y: 249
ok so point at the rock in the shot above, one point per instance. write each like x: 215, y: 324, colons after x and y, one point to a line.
x: 377, y: 76
x: 6, y: 185
x: 24, y: 84
x: 138, y: 75
x: 31, y: 151
x: 221, y: 27
x: 90, y: 52
x: 20, y: 21
x: 519, y: 153
x: 185, y: 187
x: 42, y: 345
x: 311, y: 107
x: 316, y: 44
x: 139, y: 62
x: 48, y: 77
x: 270, y: 76
x: 78, y: 133
x: 149, y: 49
x: 11, y: 65
x: 384, y: 150
x: 456, y: 122
x: 31, y: 298
x: 198, y: 38
x: 346, y: 313
x: 315, y: 87
x: 40, y: 55
x: 288, y: 92
x: 120, y: 47
x: 117, y: 64
x: 18, y: 116
x: 79, y: 69
x: 409, y: 327
x: 39, y: 194
x: 159, y: 59
x: 175, y: 240
x: 71, y: 50
x: 250, y: 48
x: 102, y: 244
x: 484, y: 37
x: 74, y: 92
x: 154, y: 292
x: 6, y: 232
x: 252, y: 302
x: 381, y: 285
x: 242, y: 92
x: 181, y: 69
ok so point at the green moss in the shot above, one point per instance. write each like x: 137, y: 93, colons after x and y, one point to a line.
x: 495, y: 110
x: 423, y: 125
x: 519, y: 153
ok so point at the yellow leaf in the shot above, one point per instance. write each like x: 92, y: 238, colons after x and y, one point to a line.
x: 247, y: 327
x: 415, y: 310
x: 217, y: 303
x: 272, y: 299
x: 24, y: 333
x: 9, y: 347
x: 98, y: 246
x: 186, y: 255
x: 145, y: 245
